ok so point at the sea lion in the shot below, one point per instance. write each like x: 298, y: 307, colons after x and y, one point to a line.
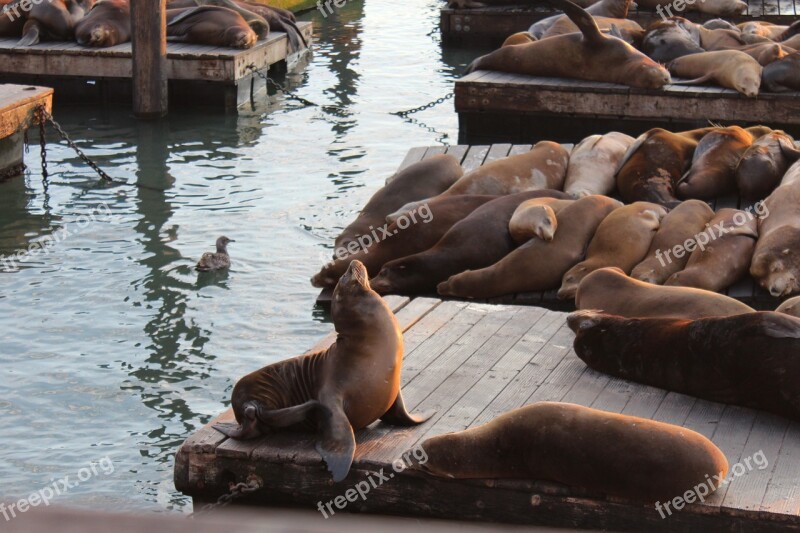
x: 731, y: 239
x: 782, y: 75
x: 603, y: 8
x: 107, y: 24
x: 396, y: 242
x: 766, y: 53
x: 670, y: 39
x: 537, y: 265
x: 479, y: 240
x: 752, y: 360
x: 654, y: 163
x: 727, y: 68
x: 720, y: 24
x: 610, y: 290
x: 416, y: 182
x: 594, y: 162
x: 763, y: 29
x: 53, y: 20
x: 256, y: 22
x: 536, y: 218
x: 673, y: 242
x: 790, y: 307
x: 210, y: 25
x: 764, y: 163
x: 601, y: 452
x: 543, y: 167
x: 588, y: 55
x: 720, y: 8
x: 776, y: 261
x: 713, y: 170
x: 522, y: 37
x: 622, y: 240
x: 346, y: 387
x: 628, y: 30
x: 12, y: 19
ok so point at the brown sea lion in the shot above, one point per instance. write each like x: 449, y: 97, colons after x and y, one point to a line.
x: 107, y: 24
x: 594, y: 162
x: 625, y: 29
x: 732, y: 69
x: 256, y: 22
x: 353, y: 383
x: 522, y: 37
x: 602, y: 8
x: 536, y: 218
x: 763, y: 29
x: 782, y: 75
x: 416, y: 182
x: 752, y: 360
x: 588, y: 55
x: 713, y: 170
x: 790, y: 307
x: 478, y: 241
x: 537, y: 265
x: 12, y: 18
x: 776, y: 261
x: 622, y: 240
x: 654, y: 163
x: 764, y: 164
x: 210, y: 25
x: 614, y: 293
x: 394, y: 242
x: 731, y: 239
x: 766, y: 53
x: 673, y: 242
x: 601, y: 452
x: 543, y: 167
x: 53, y: 20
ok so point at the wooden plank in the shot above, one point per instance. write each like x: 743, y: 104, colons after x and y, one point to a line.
x: 18, y: 104
x: 414, y: 155
x: 458, y: 151
x: 783, y: 491
x: 474, y: 158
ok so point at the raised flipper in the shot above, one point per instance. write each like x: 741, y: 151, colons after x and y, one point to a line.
x: 337, y: 444
x: 581, y: 18
x: 31, y: 33
x: 397, y: 415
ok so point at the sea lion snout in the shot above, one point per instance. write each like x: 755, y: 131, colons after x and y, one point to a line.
x: 581, y: 320
x: 356, y: 274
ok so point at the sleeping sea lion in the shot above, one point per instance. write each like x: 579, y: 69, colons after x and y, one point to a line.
x: 107, y: 24
x: 732, y: 69
x: 536, y: 218
x: 353, y: 383
x: 210, y: 25
x: 594, y: 162
x: 764, y: 164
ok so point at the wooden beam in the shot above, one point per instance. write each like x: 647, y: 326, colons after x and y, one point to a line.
x: 149, y: 40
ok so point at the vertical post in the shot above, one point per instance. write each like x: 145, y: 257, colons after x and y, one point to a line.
x: 149, y: 38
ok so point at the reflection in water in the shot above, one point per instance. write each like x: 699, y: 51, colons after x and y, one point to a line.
x: 111, y: 344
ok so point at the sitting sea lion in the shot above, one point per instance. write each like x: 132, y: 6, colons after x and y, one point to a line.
x: 764, y: 164
x: 536, y: 218
x: 107, y: 24
x: 751, y: 360
x: 210, y: 25
x: 673, y: 242
x: 622, y: 240
x: 611, y: 291
x: 353, y: 383
x: 537, y: 265
x: 732, y: 69
x: 588, y: 55
x: 601, y: 452
x: 594, y: 162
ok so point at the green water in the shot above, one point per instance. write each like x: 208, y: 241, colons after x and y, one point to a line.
x: 110, y: 343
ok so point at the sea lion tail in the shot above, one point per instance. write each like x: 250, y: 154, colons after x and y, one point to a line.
x: 581, y: 18
x: 696, y: 81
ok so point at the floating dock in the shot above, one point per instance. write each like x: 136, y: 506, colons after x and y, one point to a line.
x: 18, y: 104
x: 472, y: 362
x: 491, y: 25
x: 472, y: 157
x: 502, y: 107
x: 198, y: 75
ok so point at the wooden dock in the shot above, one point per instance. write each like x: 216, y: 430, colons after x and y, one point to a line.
x: 472, y: 362
x: 491, y: 25
x: 502, y: 107
x: 198, y: 75
x: 472, y: 157
x: 18, y: 104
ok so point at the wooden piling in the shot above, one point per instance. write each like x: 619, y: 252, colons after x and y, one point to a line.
x: 149, y: 39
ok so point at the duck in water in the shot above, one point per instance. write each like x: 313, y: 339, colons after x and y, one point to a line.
x: 218, y: 260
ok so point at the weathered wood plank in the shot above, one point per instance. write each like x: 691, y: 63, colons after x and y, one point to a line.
x: 17, y: 106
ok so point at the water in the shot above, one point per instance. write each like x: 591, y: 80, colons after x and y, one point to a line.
x: 110, y: 344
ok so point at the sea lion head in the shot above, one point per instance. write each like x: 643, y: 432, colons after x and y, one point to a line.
x: 748, y: 82
x: 774, y: 263
x: 647, y: 74
x: 349, y: 293
x: 399, y: 275
x: 241, y: 37
x: 328, y: 275
x: 571, y: 280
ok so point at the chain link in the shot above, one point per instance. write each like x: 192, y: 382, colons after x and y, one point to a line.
x: 237, y: 491
x: 436, y: 102
x: 280, y: 87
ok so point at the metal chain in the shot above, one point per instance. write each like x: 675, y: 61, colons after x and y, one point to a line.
x: 40, y: 116
x: 436, y: 102
x: 280, y: 87
x: 236, y: 491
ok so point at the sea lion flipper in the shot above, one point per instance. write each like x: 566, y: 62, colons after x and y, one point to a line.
x: 788, y: 149
x: 289, y: 416
x: 397, y: 415
x: 31, y: 34
x: 583, y: 20
x: 338, y: 443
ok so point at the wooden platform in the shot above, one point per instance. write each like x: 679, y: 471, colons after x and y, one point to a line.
x: 198, y: 75
x: 472, y: 157
x: 17, y: 106
x: 491, y: 25
x: 471, y: 363
x: 501, y: 107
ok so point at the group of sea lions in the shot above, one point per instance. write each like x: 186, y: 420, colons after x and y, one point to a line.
x: 545, y: 219
x: 104, y: 23
x: 600, y: 44
x: 719, y: 8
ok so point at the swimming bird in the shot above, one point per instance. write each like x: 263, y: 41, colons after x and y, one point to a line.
x: 218, y: 260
